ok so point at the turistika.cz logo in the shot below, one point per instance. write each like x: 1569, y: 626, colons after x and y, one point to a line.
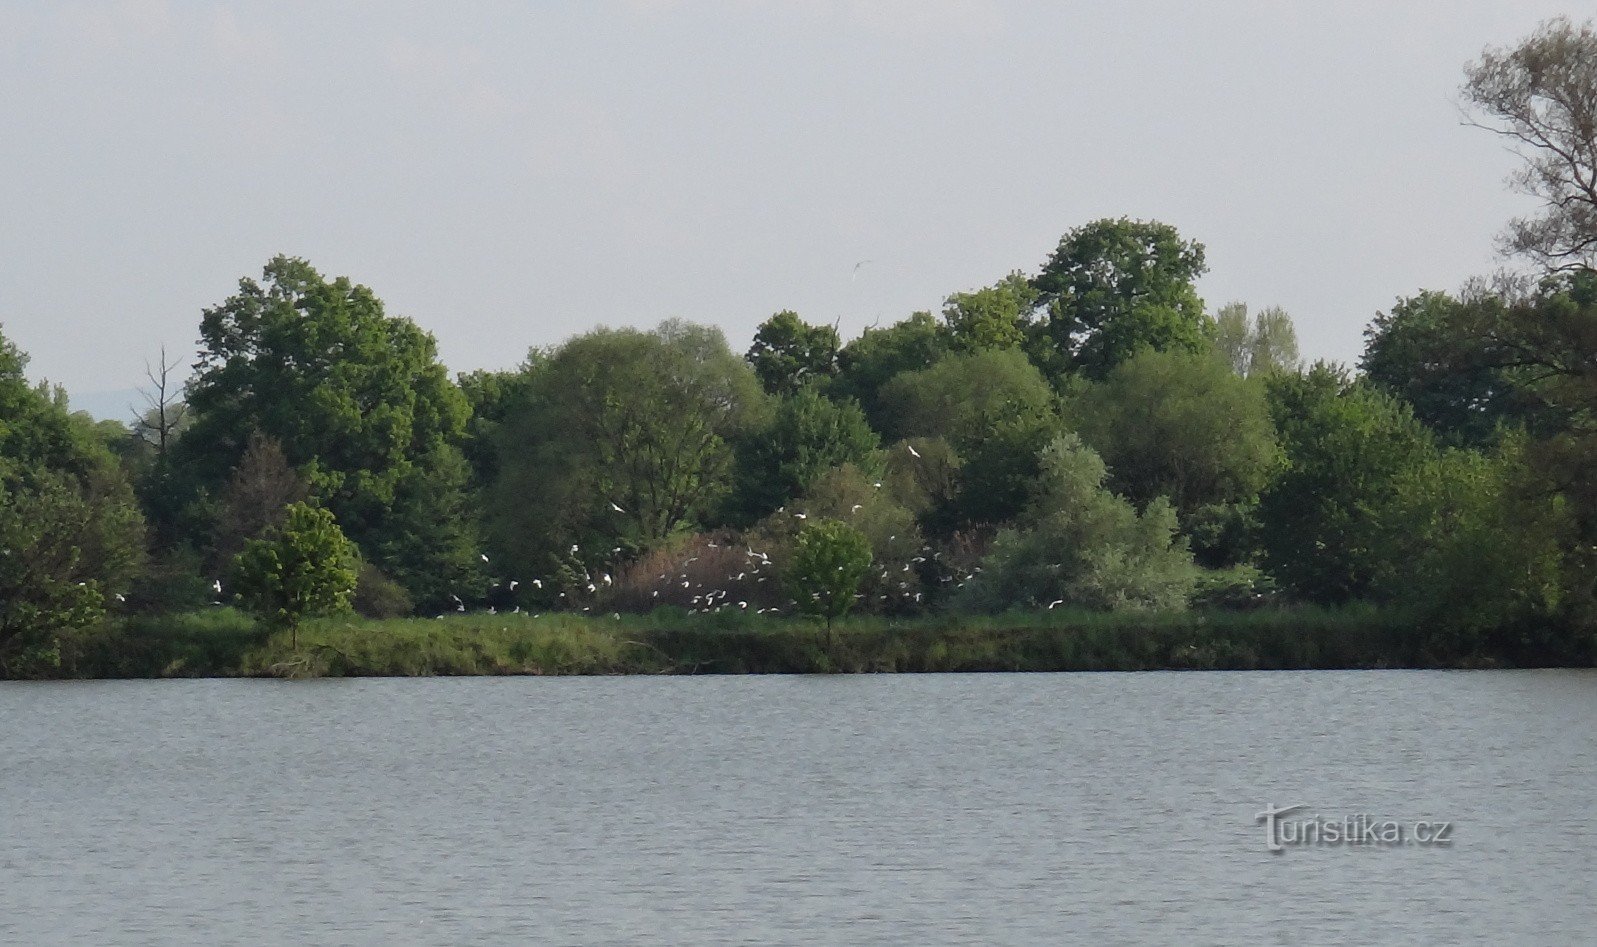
x: 1358, y: 830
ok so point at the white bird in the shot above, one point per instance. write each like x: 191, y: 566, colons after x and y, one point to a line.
x: 513, y: 584
x: 856, y: 508
x: 484, y: 556
x: 802, y: 516
x: 537, y: 583
x: 618, y: 509
x: 217, y: 585
x: 573, y: 549
x: 912, y: 451
x: 606, y: 577
x: 1055, y: 603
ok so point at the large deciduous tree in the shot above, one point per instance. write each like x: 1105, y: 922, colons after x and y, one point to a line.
x: 789, y: 352
x: 1542, y: 96
x: 360, y: 405
x: 623, y: 439
x: 1428, y: 351
x: 1115, y: 287
x: 1182, y: 426
x: 807, y: 435
x: 1345, y: 447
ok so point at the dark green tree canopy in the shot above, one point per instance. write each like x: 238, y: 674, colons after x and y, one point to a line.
x: 963, y: 396
x: 359, y: 403
x: 1115, y: 287
x: 879, y: 355
x: 788, y: 353
x: 1427, y: 351
x: 1344, y: 447
x: 806, y: 436
x: 70, y: 533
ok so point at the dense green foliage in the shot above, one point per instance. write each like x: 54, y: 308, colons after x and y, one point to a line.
x: 807, y: 435
x: 623, y: 439
x: 359, y: 403
x: 70, y: 533
x: 788, y: 353
x: 830, y: 559
x: 1085, y: 438
x: 1181, y: 426
x: 302, y: 568
x: 1084, y: 546
x: 1116, y: 287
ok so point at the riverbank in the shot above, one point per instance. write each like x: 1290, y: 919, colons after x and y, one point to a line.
x: 225, y: 643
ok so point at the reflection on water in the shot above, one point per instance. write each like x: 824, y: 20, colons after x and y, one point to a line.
x: 1027, y: 808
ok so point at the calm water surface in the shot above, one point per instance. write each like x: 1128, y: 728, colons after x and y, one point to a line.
x: 1026, y: 808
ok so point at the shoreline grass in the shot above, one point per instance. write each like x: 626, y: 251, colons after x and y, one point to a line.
x: 225, y: 643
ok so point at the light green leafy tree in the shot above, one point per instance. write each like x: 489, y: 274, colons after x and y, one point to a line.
x: 1084, y: 546
x: 993, y: 317
x: 302, y: 568
x: 1474, y: 545
x: 830, y: 559
x: 1266, y: 344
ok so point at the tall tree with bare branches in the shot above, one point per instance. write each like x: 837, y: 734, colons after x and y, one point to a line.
x: 1542, y: 96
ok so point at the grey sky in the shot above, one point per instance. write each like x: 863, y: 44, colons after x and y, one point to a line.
x: 508, y: 174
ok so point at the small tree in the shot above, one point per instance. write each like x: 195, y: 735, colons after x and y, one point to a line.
x: 304, y: 567
x: 830, y: 559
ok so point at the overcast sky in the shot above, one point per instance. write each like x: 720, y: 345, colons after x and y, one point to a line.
x: 508, y: 174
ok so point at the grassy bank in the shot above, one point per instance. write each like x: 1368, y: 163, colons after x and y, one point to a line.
x: 224, y: 643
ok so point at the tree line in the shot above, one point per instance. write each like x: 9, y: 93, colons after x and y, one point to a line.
x: 1087, y: 435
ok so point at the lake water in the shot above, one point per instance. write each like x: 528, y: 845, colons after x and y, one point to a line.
x: 1024, y: 808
